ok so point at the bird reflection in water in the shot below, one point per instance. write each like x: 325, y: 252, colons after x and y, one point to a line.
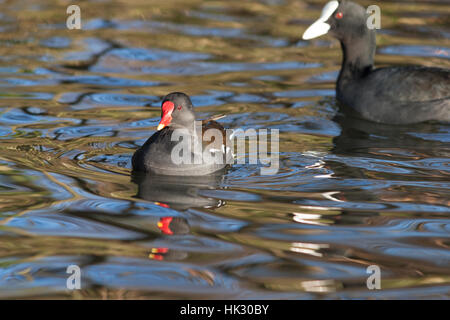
x: 179, y: 193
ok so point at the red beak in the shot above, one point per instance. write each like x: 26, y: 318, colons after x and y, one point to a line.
x: 167, y: 109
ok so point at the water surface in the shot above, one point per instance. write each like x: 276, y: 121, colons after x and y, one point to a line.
x: 75, y: 104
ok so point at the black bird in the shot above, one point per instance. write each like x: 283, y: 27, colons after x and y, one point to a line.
x: 180, y: 148
x: 391, y: 95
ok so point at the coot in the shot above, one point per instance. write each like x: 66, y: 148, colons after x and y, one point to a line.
x: 181, y: 148
x: 392, y: 95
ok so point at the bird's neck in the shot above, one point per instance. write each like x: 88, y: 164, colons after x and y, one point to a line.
x: 358, y: 56
x: 189, y: 128
x: 186, y: 122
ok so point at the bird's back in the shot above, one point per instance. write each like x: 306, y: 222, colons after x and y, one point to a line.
x: 399, y: 94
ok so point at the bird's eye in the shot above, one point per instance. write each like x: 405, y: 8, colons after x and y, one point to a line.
x: 179, y: 107
x: 339, y: 15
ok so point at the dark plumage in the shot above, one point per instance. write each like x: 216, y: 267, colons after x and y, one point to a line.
x: 392, y: 95
x: 156, y: 155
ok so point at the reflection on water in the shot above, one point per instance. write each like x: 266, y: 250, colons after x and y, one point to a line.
x: 75, y: 104
x: 179, y: 193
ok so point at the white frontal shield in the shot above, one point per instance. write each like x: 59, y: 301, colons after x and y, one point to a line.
x: 320, y: 27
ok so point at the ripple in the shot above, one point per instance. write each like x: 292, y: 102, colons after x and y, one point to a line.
x: 416, y: 50
x: 69, y: 227
x: 121, y: 99
x: 143, y: 54
x: 208, y: 68
x: 56, y: 42
x: 181, y: 279
x: 108, y: 81
x: 304, y: 93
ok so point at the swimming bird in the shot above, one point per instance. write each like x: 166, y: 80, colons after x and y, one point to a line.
x: 391, y: 95
x: 181, y: 147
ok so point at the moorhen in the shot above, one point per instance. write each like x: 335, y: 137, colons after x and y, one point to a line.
x: 391, y: 95
x: 202, y: 152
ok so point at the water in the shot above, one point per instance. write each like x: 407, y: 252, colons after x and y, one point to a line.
x: 75, y: 104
